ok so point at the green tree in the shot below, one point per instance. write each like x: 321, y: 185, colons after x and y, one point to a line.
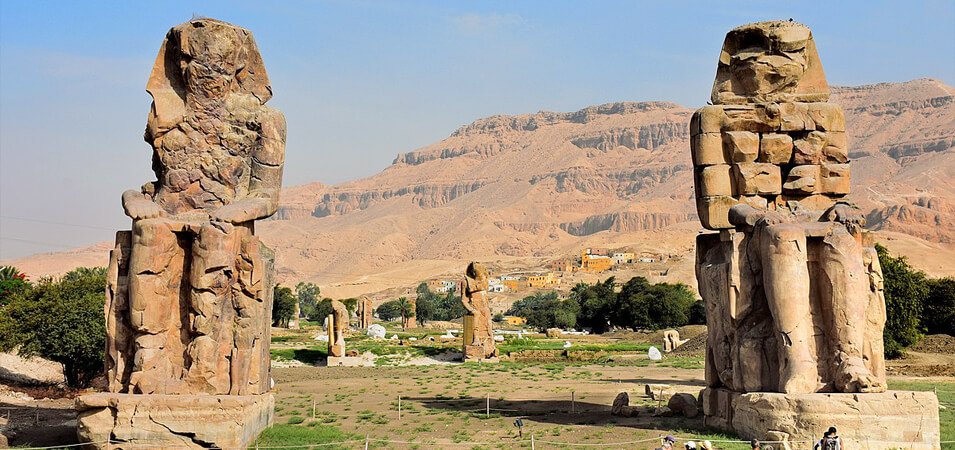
x: 449, y: 307
x: 426, y: 304
x: 938, y: 314
x: 697, y: 313
x: 546, y: 310
x: 283, y: 306
x: 322, y: 309
x: 308, y: 297
x: 351, y: 304
x: 598, y: 304
x: 389, y: 310
x: 406, y: 311
x: 905, y: 292
x: 661, y: 305
x: 62, y: 321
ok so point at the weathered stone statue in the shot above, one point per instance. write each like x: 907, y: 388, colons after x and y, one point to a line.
x: 792, y: 285
x: 337, y: 323
x: 189, y: 289
x: 478, y: 331
x: 671, y: 340
x: 365, y: 310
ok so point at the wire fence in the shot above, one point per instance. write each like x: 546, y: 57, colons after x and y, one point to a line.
x: 530, y: 441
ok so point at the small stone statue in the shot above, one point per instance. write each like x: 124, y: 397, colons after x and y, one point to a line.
x: 337, y: 324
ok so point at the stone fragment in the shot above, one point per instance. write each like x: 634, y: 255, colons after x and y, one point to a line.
x: 757, y: 179
x: 835, y: 179
x: 659, y: 392
x: 749, y: 118
x: 654, y: 354
x: 756, y: 201
x: 707, y: 149
x: 827, y: 116
x: 714, y: 211
x: 671, y: 340
x: 706, y: 120
x: 808, y: 149
x: 715, y: 180
x: 836, y: 149
x: 376, y: 331
x: 365, y: 313
x: 775, y: 148
x: 795, y: 117
x: 553, y: 333
x: 337, y: 324
x: 741, y: 146
x: 684, y: 404
x: 803, y: 180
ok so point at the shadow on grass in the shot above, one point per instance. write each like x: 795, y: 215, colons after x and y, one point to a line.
x: 39, y: 427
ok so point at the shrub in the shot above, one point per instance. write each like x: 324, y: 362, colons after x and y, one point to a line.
x: 662, y: 305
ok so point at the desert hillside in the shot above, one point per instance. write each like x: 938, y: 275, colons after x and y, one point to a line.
x: 518, y: 191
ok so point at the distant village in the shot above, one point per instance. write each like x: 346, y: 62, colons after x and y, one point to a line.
x: 591, y: 260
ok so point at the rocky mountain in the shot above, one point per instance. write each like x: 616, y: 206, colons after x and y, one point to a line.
x: 517, y: 190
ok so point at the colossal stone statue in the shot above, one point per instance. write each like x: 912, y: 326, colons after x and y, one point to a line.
x: 478, y: 331
x: 791, y: 282
x: 189, y: 292
x: 337, y: 323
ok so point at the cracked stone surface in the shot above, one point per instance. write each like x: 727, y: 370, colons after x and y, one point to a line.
x: 189, y: 293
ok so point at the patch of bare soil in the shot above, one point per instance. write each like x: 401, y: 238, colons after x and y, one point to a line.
x: 936, y: 343
x: 37, y: 416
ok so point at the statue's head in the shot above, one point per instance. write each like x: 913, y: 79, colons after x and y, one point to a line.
x: 477, y: 272
x: 769, y: 62
x: 200, y: 61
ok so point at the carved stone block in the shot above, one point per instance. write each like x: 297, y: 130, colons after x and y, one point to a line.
x: 775, y: 148
x: 707, y: 149
x: 758, y: 178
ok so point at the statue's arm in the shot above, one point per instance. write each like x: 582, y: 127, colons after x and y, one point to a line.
x: 268, y: 161
x: 138, y: 205
x: 746, y: 217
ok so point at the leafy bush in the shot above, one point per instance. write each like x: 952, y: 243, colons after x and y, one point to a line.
x: 662, y: 305
x: 62, y: 321
x: 905, y: 291
x: 433, y: 306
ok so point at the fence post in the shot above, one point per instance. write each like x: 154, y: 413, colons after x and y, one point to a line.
x: 366, y: 442
x: 313, y: 406
x: 487, y: 406
x: 532, y: 441
x: 399, y: 407
x: 573, y: 402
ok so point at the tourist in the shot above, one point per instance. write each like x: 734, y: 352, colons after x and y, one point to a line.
x: 706, y: 445
x: 830, y: 441
x: 667, y: 443
x: 690, y: 445
x: 754, y: 444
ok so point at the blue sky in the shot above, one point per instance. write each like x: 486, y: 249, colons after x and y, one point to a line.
x: 361, y: 81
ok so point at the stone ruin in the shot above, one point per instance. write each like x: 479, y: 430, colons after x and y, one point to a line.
x: 478, y: 330
x: 189, y: 295
x: 791, y: 281
x: 365, y: 311
x: 671, y: 340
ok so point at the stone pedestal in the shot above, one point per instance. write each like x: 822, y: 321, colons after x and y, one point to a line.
x: 172, y: 421
x: 349, y: 361
x: 894, y: 419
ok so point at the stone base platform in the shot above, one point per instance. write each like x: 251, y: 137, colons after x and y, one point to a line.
x: 172, y: 421
x: 894, y: 419
x: 349, y: 361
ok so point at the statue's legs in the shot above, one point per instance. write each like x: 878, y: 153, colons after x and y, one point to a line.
x: 786, y: 281
x: 155, y: 278
x: 845, y: 297
x: 212, y: 273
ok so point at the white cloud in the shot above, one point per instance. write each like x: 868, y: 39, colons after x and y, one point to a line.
x: 483, y: 23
